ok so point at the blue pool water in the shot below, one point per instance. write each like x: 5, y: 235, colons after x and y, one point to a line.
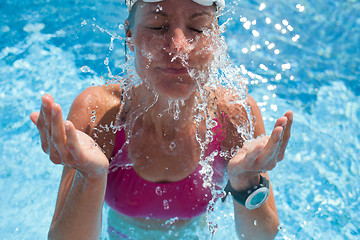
x: 297, y: 54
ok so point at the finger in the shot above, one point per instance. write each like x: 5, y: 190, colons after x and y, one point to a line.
x: 45, y: 110
x: 34, y: 116
x: 287, y: 134
x: 47, y: 101
x: 289, y: 115
x: 256, y: 147
x: 58, y: 136
x: 268, y: 158
x: 72, y: 142
x: 38, y: 120
x: 281, y: 122
x: 44, y: 122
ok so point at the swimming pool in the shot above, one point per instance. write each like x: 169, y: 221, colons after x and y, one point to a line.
x: 299, y: 55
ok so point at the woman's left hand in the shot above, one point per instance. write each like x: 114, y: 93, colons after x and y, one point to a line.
x: 260, y: 155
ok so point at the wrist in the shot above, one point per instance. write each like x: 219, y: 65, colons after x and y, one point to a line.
x: 93, y: 174
x: 91, y: 179
x: 244, y: 181
x: 252, y: 197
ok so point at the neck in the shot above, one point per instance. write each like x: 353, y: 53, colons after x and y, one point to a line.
x: 166, y: 116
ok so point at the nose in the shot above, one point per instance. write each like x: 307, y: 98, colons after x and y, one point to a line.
x: 178, y: 42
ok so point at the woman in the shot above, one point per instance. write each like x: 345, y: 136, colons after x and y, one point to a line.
x: 156, y: 148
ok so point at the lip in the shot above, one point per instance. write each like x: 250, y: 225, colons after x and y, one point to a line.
x: 174, y: 70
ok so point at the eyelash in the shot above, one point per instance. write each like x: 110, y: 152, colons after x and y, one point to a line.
x: 158, y: 28
x: 196, y: 30
x: 164, y: 27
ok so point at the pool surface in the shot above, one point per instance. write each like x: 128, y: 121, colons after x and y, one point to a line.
x: 298, y: 55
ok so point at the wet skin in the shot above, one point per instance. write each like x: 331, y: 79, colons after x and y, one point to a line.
x: 168, y: 42
x: 178, y: 48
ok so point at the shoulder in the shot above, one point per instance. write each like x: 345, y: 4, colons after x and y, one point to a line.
x: 94, y: 112
x: 239, y: 115
x: 94, y: 101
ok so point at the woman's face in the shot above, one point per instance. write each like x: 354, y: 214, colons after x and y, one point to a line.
x: 172, y: 40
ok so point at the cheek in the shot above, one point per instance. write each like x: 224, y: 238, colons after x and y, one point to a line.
x: 204, y: 53
x: 149, y: 47
x: 144, y: 56
x: 207, y: 47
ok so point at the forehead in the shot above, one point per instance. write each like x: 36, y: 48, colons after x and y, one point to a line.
x: 174, y: 9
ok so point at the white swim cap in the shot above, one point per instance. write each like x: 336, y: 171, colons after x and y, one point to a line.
x: 219, y: 3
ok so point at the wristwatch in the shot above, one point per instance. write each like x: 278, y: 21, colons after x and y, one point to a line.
x: 251, y: 198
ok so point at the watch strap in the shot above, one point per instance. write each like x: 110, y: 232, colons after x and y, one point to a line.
x: 241, y: 196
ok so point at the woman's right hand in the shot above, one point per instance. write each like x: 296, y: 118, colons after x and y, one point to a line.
x: 67, y: 145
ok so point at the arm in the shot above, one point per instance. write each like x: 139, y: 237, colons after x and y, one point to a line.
x: 255, y: 157
x: 83, y: 183
x: 79, y: 205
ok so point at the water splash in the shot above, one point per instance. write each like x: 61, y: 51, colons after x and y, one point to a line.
x: 171, y: 221
x: 219, y: 72
x: 158, y: 191
x: 166, y: 204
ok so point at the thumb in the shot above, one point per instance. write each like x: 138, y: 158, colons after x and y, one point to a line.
x: 34, y: 117
x: 255, y: 147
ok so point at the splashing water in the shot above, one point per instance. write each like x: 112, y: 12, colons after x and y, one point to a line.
x: 322, y: 80
x: 171, y: 221
x: 219, y: 72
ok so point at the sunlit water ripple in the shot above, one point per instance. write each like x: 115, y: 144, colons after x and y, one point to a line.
x: 312, y: 69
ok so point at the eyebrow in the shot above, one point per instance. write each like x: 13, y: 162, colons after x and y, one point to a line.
x: 154, y: 12
x: 199, y: 14
x: 161, y: 13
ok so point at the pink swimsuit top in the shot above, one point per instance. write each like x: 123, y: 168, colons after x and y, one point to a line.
x: 131, y: 195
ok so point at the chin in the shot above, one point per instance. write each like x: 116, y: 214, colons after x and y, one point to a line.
x: 176, y: 91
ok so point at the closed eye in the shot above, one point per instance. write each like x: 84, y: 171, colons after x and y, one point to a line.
x: 196, y: 30
x: 158, y: 28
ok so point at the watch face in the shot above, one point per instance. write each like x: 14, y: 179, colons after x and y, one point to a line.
x: 257, y: 198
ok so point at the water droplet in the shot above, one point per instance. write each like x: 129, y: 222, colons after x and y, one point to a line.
x: 83, y: 23
x: 172, y: 146
x: 158, y: 191
x: 213, y: 227
x: 255, y: 222
x: 93, y: 117
x: 166, y: 204
x: 171, y: 221
x: 211, y: 124
x: 262, y: 6
x: 106, y: 61
x: 85, y: 69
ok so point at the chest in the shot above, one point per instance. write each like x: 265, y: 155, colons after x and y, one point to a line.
x: 162, y: 158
